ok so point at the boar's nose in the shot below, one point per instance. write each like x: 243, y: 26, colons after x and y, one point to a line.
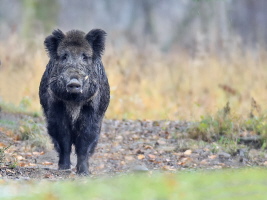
x: 74, y: 86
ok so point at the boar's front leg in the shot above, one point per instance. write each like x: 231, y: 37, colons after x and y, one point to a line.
x: 85, y: 145
x: 60, y: 132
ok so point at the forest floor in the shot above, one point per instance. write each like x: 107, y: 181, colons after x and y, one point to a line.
x: 125, y: 146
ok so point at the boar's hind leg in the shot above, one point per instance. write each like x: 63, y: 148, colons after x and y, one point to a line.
x: 85, y: 146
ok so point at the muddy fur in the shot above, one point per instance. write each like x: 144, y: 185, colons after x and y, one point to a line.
x: 74, y: 93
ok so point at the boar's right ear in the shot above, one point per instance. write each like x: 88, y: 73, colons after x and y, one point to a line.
x: 96, y: 39
x: 52, y: 41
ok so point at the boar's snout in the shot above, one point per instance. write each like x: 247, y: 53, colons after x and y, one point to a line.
x: 74, y: 86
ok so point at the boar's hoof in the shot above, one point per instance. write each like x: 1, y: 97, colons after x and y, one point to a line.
x: 83, y: 170
x: 63, y: 166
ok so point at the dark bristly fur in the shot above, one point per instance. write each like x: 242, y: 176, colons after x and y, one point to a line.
x: 74, y: 93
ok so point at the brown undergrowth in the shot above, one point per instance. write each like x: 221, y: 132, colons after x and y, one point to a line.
x: 146, y: 84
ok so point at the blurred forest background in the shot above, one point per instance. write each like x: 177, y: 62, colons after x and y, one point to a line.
x: 165, y: 59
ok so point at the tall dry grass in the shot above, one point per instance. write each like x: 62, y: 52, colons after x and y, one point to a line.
x: 147, y: 84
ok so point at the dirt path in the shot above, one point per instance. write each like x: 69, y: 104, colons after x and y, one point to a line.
x: 128, y: 146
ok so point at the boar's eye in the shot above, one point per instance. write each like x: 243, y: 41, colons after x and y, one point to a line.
x: 85, y: 57
x: 64, y: 57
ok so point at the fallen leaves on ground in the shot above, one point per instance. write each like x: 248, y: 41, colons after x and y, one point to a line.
x: 132, y: 146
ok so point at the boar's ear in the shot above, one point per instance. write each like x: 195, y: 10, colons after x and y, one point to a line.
x: 52, y: 41
x: 96, y: 39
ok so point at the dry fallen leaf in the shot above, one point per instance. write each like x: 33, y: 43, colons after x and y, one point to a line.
x: 6, y: 131
x: 134, y: 136
x: 188, y: 152
x: 48, y: 176
x: 2, y: 145
x: 23, y: 164
x: 19, y: 157
x: 151, y: 156
x: 203, y: 162
x: 160, y: 141
x: 47, y: 163
x: 28, y: 154
x: 129, y: 158
x: 148, y: 147
x: 212, y: 156
x: 119, y: 137
x: 222, y: 164
x: 17, y: 138
x: 35, y: 153
x: 10, y: 171
x: 168, y: 168
x: 140, y: 156
x: 102, y: 166
x: 184, y: 161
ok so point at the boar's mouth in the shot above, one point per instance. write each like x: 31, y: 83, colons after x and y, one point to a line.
x: 74, y: 86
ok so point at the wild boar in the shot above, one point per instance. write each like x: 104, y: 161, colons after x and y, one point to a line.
x: 74, y: 93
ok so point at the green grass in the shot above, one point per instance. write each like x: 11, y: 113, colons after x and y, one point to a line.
x: 2, y: 155
x: 213, y: 127
x: 228, y: 129
x: 225, y: 184
x: 22, y: 108
x: 8, y: 124
x: 26, y: 125
x: 34, y: 132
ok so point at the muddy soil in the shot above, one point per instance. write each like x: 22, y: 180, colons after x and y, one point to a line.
x: 125, y: 146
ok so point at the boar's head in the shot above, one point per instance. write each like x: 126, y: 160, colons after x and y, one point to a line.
x: 74, y: 60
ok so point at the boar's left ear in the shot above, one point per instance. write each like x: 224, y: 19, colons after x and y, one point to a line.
x: 96, y: 39
x: 52, y: 41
